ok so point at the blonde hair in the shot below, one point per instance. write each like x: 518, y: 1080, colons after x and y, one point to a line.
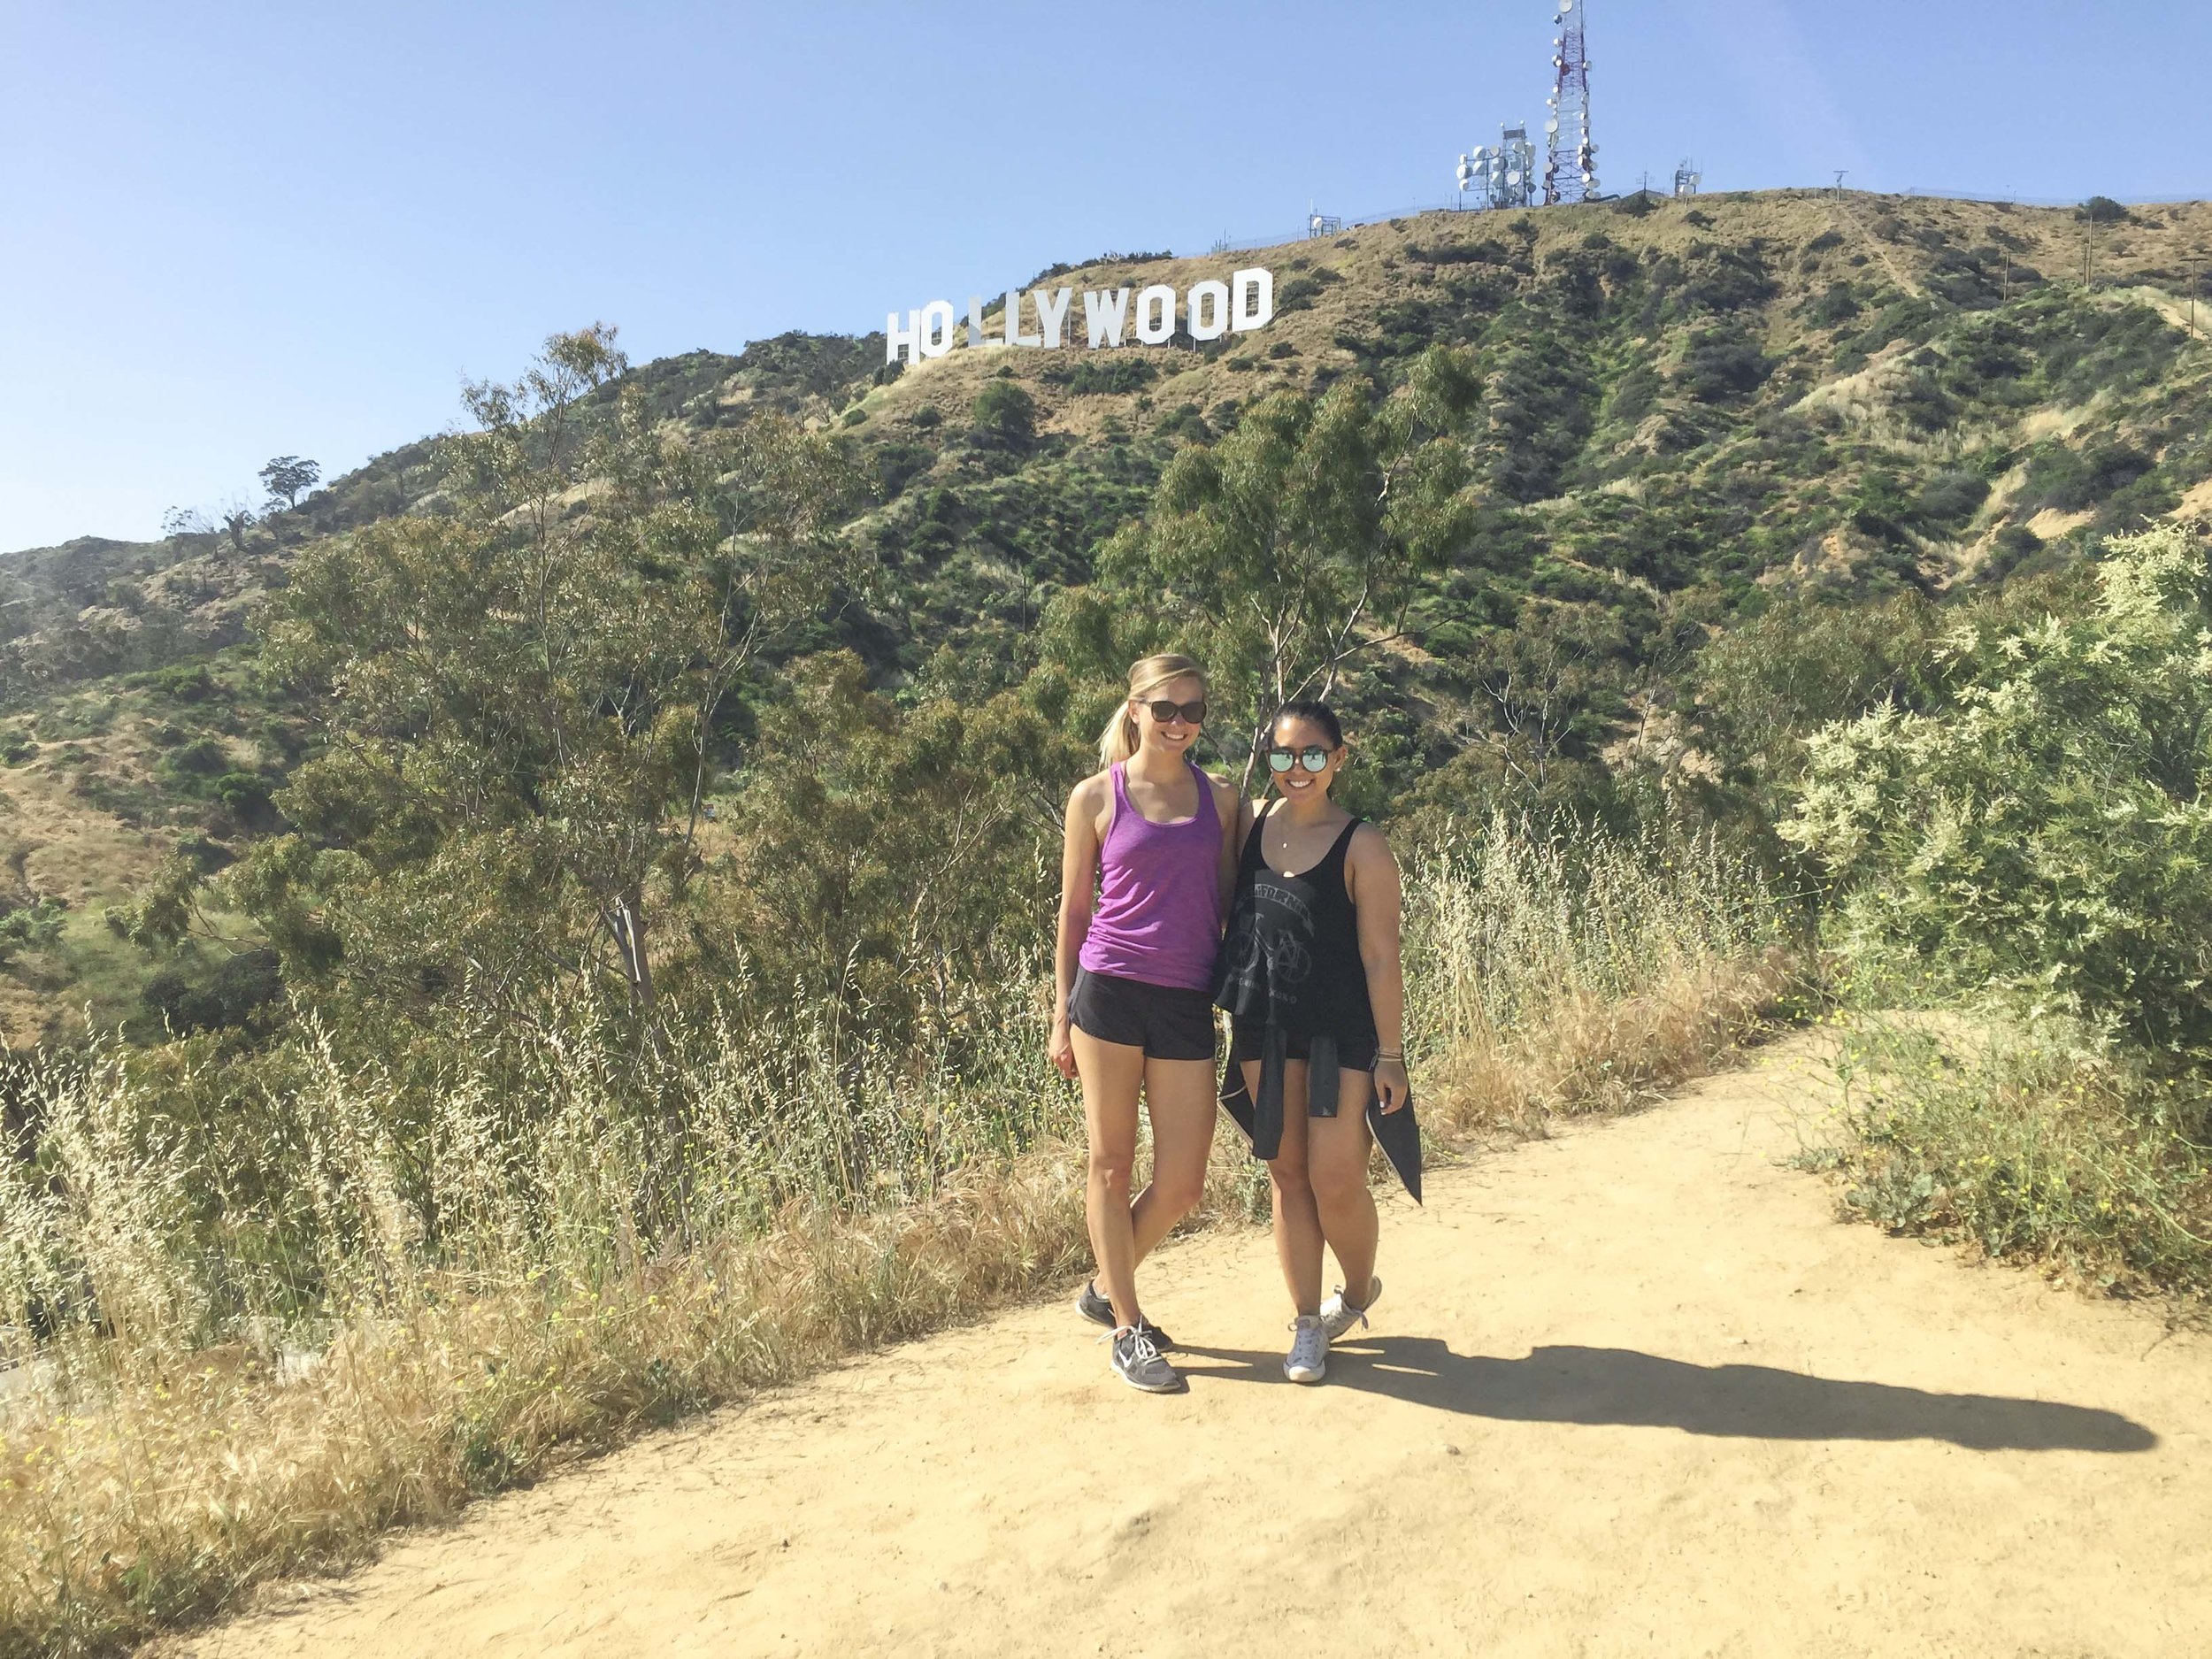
x: 1121, y: 738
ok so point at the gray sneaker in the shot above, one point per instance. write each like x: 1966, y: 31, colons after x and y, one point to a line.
x: 1098, y: 1310
x: 1339, y: 1315
x: 1138, y: 1362
x: 1307, y: 1360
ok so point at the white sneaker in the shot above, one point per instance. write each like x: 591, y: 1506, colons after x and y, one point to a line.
x: 1338, y: 1315
x: 1307, y: 1360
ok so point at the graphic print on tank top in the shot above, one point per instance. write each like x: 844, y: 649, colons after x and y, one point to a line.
x: 1269, y: 963
x: 1279, y: 928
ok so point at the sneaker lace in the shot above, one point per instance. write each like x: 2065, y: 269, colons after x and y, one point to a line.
x: 1142, y: 1350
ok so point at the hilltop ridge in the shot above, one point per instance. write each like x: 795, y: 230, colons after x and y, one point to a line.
x: 1693, y: 411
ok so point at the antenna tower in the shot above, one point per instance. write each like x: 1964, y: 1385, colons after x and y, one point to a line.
x: 1571, y: 160
x: 1502, y: 174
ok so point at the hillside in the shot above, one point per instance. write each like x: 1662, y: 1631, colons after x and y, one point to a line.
x: 1694, y: 416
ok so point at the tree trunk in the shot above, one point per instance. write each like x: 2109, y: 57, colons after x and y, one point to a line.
x: 626, y: 923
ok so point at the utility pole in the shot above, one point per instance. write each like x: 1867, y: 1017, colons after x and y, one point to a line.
x: 1839, y: 173
x: 2004, y: 284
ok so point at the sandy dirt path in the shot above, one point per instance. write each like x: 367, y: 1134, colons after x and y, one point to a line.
x: 1632, y: 1391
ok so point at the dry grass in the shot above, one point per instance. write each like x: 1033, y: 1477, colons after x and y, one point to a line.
x: 2030, y: 1144
x: 150, y: 1478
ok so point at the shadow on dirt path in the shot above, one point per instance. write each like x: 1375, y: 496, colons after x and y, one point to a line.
x: 1563, y: 1384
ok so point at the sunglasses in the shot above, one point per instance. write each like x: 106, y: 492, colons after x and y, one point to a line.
x: 1313, y: 758
x: 1162, y: 711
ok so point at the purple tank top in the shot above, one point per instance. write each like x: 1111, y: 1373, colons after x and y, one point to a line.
x: 1158, y: 918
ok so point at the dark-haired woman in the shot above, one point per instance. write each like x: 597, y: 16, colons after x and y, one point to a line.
x: 1154, y: 839
x: 1312, y: 980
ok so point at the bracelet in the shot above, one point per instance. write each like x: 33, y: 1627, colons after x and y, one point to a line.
x: 1400, y: 1056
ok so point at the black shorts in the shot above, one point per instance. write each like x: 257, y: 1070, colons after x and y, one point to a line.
x: 1353, y: 1054
x: 1166, y: 1021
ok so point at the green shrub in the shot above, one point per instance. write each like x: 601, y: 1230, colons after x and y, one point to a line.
x: 1004, y: 414
x: 1301, y: 291
x: 203, y: 756
x: 244, y: 795
x: 1827, y: 308
x: 2032, y: 1149
x: 2071, y: 479
x: 1723, y: 366
x: 1949, y: 499
x: 2012, y: 546
x: 181, y: 682
x: 30, y: 927
x: 1115, y: 374
x: 2046, y: 834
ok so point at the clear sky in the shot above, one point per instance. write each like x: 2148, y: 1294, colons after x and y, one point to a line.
x: 230, y: 232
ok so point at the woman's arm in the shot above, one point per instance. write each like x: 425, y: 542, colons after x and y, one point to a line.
x: 1079, y: 869
x: 1235, y: 814
x: 1378, y: 903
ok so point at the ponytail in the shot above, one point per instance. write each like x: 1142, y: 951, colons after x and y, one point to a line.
x: 1118, y: 741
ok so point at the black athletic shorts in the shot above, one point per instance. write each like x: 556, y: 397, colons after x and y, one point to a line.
x: 1166, y: 1021
x: 1245, y: 1040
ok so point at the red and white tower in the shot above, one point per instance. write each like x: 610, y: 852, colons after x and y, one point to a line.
x: 1571, y: 159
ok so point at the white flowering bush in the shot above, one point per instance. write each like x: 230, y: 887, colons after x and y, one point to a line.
x: 2045, y: 833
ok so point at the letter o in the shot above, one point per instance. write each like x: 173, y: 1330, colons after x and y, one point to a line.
x: 936, y: 331
x: 1155, y: 314
x: 1207, y: 311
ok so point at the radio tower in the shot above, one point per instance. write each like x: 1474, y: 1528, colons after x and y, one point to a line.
x: 1571, y: 160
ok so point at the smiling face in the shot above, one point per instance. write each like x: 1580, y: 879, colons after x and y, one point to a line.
x: 1298, y: 735
x: 1171, y: 736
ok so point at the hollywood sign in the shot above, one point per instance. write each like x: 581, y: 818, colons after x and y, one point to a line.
x: 1207, y: 311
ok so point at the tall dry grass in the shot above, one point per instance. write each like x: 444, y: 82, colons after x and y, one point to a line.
x: 388, y: 1317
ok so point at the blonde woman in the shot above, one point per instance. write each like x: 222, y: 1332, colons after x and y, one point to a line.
x: 1149, y: 850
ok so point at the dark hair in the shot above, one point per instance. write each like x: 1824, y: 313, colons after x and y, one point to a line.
x: 1309, y: 708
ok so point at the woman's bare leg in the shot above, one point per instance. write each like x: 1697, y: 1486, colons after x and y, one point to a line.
x: 1179, y: 1096
x: 1336, y: 1165
x: 1111, y: 1074
x: 1297, y: 1220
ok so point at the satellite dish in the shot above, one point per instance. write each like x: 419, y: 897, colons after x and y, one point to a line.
x: 1552, y: 125
x: 1513, y: 177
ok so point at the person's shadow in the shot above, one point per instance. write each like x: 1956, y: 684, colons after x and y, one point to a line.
x: 1618, y: 1385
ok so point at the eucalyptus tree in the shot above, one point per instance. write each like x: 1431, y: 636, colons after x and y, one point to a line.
x: 520, y: 686
x: 1288, y: 548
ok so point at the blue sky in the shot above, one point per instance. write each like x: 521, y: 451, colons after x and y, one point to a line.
x: 228, y: 232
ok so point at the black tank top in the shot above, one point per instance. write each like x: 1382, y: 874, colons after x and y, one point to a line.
x: 1290, y: 958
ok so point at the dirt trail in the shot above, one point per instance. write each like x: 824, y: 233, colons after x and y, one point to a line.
x: 1632, y: 1391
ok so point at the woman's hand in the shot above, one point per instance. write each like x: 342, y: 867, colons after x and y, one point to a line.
x: 1392, y: 1084
x: 1061, y: 1050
